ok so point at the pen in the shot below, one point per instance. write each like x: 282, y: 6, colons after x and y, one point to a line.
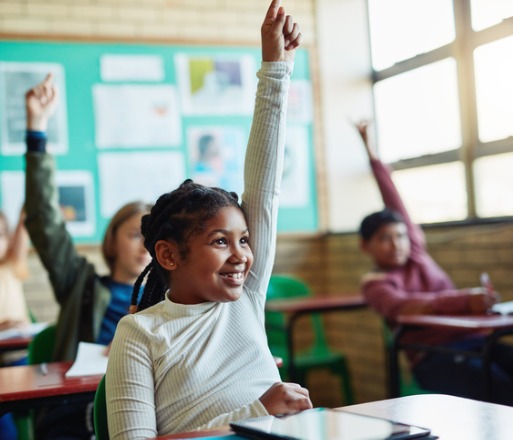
x: 43, y: 369
x: 486, y: 282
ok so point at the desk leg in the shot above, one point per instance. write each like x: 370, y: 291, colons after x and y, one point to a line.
x: 491, y: 340
x: 393, y: 365
x: 290, y: 348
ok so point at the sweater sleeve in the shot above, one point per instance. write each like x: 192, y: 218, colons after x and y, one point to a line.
x: 263, y: 169
x: 389, y: 299
x: 392, y: 200
x: 46, y: 226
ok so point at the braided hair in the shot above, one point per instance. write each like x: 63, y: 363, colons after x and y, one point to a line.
x: 176, y: 216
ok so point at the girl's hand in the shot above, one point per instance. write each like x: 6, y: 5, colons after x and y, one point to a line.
x: 280, y: 34
x: 285, y: 398
x: 40, y: 104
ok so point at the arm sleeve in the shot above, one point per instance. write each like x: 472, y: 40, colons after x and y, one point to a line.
x: 392, y: 200
x: 46, y: 227
x: 263, y: 169
x: 388, y: 299
x: 129, y: 385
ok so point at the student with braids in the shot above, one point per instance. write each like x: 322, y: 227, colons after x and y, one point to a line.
x: 90, y: 305
x: 195, y: 354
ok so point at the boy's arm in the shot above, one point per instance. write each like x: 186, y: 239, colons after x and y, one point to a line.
x: 389, y: 193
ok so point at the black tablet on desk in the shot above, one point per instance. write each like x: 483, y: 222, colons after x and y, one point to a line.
x: 326, y: 424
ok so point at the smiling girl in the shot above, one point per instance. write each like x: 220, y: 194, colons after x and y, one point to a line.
x: 195, y: 354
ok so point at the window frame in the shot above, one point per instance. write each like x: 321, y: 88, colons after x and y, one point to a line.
x: 461, y: 49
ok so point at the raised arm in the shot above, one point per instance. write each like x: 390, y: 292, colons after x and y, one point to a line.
x: 389, y: 193
x: 44, y: 220
x: 264, y: 155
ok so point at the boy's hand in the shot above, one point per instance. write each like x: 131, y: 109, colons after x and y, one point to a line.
x: 40, y: 104
x: 280, y: 34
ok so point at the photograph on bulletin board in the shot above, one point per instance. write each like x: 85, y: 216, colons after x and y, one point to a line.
x: 216, y: 84
x: 217, y: 156
x: 15, y: 80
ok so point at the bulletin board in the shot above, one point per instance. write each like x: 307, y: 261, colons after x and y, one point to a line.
x: 134, y: 121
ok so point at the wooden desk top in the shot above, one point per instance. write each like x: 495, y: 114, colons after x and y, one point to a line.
x: 17, y: 343
x: 315, y: 304
x: 28, y: 385
x: 448, y: 417
x: 485, y: 322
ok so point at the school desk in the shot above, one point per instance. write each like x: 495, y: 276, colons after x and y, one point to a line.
x: 16, y: 343
x: 496, y: 327
x: 448, y: 417
x: 293, y: 308
x: 35, y: 386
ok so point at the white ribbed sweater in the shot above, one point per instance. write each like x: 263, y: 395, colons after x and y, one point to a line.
x: 175, y: 367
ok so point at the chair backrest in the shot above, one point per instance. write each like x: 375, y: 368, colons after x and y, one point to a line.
x: 42, y: 346
x: 101, y: 428
x: 281, y: 287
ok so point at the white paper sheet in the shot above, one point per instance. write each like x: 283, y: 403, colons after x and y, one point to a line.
x: 30, y: 330
x: 90, y: 360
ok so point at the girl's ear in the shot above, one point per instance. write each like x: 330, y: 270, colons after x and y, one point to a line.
x: 165, y: 252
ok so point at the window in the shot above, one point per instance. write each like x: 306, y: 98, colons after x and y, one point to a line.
x: 443, y: 94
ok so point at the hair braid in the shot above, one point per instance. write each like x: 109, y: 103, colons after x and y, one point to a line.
x: 176, y: 216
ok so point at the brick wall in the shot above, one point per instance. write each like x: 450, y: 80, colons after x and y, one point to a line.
x: 143, y: 20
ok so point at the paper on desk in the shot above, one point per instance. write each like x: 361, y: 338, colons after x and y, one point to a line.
x: 90, y: 360
x: 30, y: 330
x: 503, y: 308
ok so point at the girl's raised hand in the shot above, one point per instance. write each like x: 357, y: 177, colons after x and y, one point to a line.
x: 40, y: 103
x: 280, y: 34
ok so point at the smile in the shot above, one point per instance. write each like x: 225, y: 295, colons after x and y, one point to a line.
x: 234, y: 275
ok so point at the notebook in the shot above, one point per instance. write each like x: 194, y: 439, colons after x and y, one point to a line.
x: 326, y: 424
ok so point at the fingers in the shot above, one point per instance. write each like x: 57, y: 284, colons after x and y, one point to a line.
x: 286, y: 398
x: 272, y: 12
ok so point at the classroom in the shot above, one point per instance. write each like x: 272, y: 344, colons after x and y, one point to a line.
x: 447, y: 137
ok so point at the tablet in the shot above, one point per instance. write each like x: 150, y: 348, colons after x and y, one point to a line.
x: 326, y: 424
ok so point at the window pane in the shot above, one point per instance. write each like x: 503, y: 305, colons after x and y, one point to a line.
x: 494, y: 89
x: 435, y: 193
x: 401, y: 29
x: 493, y: 179
x: 417, y: 112
x: 486, y: 13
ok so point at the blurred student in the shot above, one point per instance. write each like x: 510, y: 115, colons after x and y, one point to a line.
x: 90, y: 304
x: 195, y: 354
x: 13, y: 307
x: 406, y: 280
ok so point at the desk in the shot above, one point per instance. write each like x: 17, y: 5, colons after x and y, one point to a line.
x: 26, y: 387
x: 448, y: 417
x: 296, y: 307
x: 496, y: 325
x: 16, y: 343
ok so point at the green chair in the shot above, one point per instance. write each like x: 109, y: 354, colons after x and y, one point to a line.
x: 318, y: 355
x: 407, y: 384
x: 42, y: 346
x: 100, y: 412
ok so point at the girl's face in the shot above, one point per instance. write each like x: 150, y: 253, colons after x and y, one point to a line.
x: 4, y: 239
x: 131, y: 255
x: 217, y: 262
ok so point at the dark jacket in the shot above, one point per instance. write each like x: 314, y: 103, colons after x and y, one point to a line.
x: 78, y: 289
